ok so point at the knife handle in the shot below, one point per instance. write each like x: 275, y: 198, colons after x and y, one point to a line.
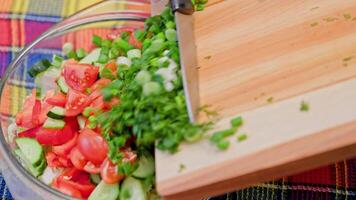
x: 183, y: 6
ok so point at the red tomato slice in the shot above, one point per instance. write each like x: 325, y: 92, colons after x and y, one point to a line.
x: 77, y: 158
x: 132, y: 40
x: 129, y: 156
x: 54, y: 160
x: 109, y: 172
x: 100, y: 84
x: 93, y: 146
x: 67, y: 189
x: 64, y: 149
x: 76, y: 102
x: 58, y: 99
x: 80, y: 76
x: 91, y: 168
x: 31, y: 133
x: 36, y: 111
x: 24, y: 118
x: 55, y: 136
x: 77, y: 180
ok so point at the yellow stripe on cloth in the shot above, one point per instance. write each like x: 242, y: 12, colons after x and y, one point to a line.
x: 20, y: 7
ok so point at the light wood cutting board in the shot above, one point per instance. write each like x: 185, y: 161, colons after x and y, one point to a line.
x: 260, y: 59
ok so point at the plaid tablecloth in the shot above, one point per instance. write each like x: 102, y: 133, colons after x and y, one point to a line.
x: 21, y: 21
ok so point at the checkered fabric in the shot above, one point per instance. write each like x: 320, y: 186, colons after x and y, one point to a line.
x: 21, y: 21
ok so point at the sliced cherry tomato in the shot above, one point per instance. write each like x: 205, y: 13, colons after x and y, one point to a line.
x: 129, y: 156
x: 99, y: 84
x: 91, y: 168
x: 54, y: 160
x: 76, y: 102
x: 109, y: 172
x: 93, y: 146
x: 80, y: 76
x: 65, y: 149
x: 77, y: 180
x: 67, y: 189
x: 77, y: 158
x: 24, y: 118
x: 36, y: 111
x: 55, y: 136
x: 31, y: 133
x: 58, y: 99
x: 132, y: 40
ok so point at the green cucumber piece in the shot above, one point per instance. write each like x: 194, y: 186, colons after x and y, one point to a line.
x: 95, y: 178
x: 132, y: 189
x: 92, y: 57
x: 35, y: 171
x: 146, y: 166
x: 104, y: 191
x: 39, y: 67
x: 56, y: 113
x: 31, y: 149
x: 62, y: 85
x: 47, y: 80
x: 54, y: 123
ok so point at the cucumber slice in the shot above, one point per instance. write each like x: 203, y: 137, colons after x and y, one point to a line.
x: 62, y: 85
x: 47, y: 80
x: 146, y: 166
x: 104, y: 191
x: 31, y: 149
x: 54, y: 123
x: 35, y: 171
x: 49, y: 174
x: 92, y: 57
x: 81, y: 121
x: 95, y: 178
x: 39, y: 67
x: 56, y: 113
x: 132, y: 189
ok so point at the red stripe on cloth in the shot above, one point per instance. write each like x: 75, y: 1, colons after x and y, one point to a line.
x: 5, y: 33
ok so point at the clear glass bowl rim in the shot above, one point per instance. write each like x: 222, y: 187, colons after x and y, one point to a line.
x: 76, y: 20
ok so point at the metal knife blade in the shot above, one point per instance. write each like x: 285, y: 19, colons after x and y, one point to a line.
x: 188, y: 62
x: 183, y: 10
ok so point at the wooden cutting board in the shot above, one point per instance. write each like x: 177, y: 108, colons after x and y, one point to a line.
x: 260, y: 60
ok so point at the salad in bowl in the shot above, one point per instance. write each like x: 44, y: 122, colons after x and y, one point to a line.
x: 94, y: 116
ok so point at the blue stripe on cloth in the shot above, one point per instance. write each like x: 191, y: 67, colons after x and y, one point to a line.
x: 4, y: 191
x: 31, y: 17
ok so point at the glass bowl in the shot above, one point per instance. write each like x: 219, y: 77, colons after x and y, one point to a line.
x: 16, y: 84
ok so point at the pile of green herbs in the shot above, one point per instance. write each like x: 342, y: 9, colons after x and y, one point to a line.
x: 150, y: 110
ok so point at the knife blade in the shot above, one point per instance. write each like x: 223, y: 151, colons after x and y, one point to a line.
x: 183, y: 10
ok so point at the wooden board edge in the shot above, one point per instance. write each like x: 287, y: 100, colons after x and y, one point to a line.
x: 327, y: 146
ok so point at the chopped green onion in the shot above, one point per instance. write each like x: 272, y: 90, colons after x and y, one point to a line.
x: 96, y: 40
x: 223, y: 144
x: 123, y: 61
x: 151, y: 88
x: 304, y: 106
x: 87, y: 111
x: 143, y: 77
x: 134, y: 53
x: 57, y: 61
x: 122, y: 44
x: 170, y: 25
x: 157, y: 45
x: 67, y: 47
x: 241, y: 137
x: 103, y: 58
x: 92, y: 118
x: 139, y: 35
x: 106, y: 43
x: 81, y: 53
x: 171, y: 35
x: 72, y: 55
x: 236, y: 122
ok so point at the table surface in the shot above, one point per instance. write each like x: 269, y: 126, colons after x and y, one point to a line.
x: 21, y: 21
